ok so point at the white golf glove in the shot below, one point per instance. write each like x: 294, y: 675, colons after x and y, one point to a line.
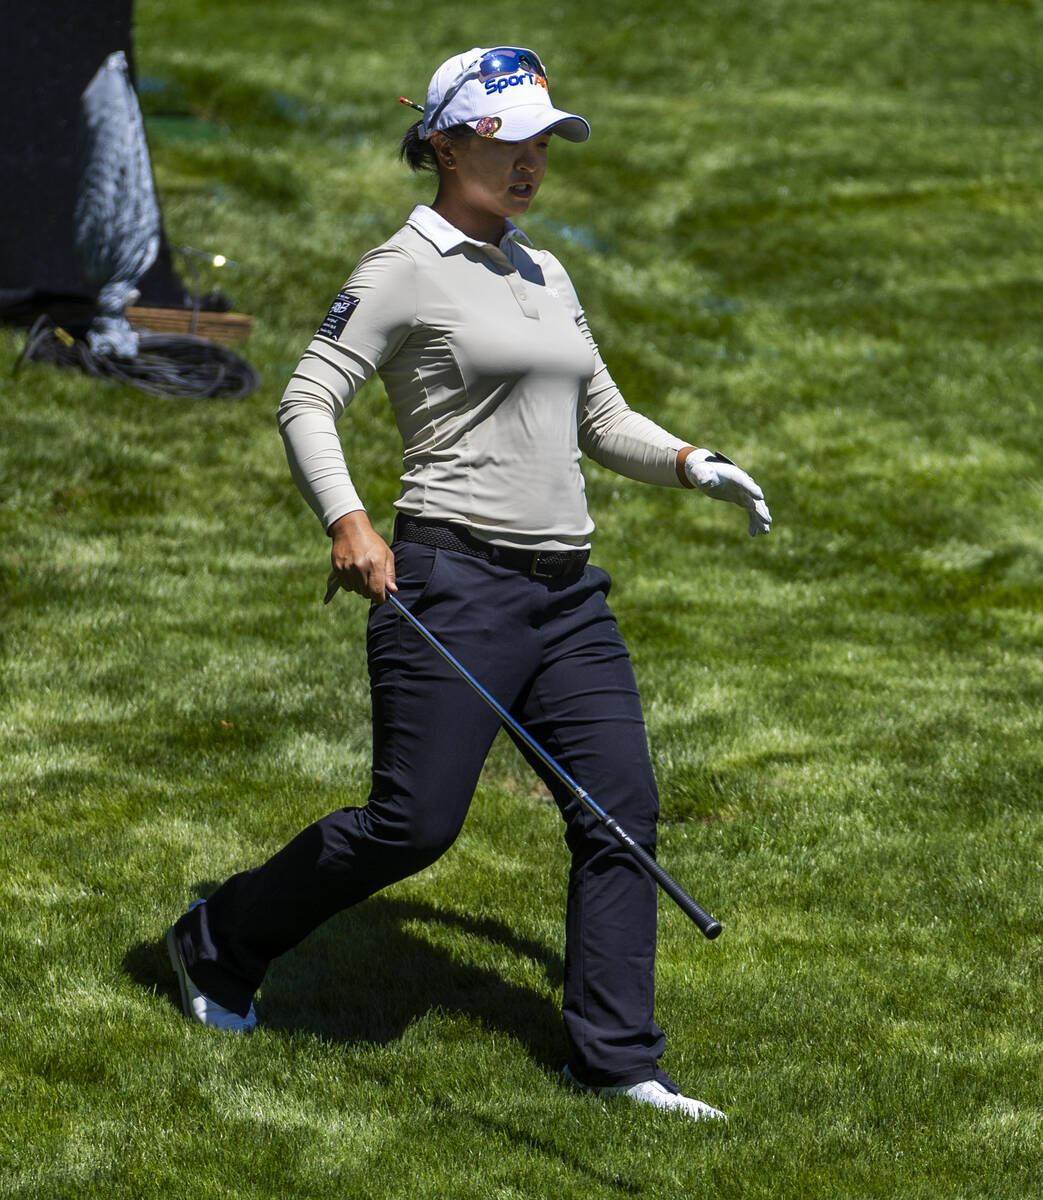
x: 720, y: 479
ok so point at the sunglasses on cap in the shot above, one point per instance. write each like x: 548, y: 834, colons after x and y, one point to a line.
x: 504, y: 60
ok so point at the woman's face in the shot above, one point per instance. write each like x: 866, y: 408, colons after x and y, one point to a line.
x: 492, y: 180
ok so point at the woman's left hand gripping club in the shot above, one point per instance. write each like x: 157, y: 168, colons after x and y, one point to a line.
x: 362, y: 561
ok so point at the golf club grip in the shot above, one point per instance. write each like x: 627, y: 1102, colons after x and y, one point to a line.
x: 707, y: 924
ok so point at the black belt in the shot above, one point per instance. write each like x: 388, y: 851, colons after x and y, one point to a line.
x: 540, y: 564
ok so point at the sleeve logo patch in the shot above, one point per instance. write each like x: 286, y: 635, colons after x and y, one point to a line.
x: 338, y: 316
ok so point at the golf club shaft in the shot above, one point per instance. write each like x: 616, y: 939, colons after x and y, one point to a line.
x: 710, y: 927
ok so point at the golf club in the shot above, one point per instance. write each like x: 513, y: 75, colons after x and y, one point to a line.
x: 707, y: 924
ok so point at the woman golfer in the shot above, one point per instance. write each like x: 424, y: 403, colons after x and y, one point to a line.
x: 497, y: 387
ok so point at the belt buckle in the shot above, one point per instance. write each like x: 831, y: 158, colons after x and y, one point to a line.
x: 534, y: 569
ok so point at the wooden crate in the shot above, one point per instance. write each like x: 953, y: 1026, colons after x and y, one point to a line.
x: 214, y: 326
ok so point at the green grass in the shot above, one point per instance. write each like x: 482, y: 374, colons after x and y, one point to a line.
x: 806, y: 233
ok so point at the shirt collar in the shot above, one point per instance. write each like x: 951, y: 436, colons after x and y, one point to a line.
x: 446, y: 237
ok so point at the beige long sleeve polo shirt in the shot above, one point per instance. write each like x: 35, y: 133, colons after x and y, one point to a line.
x: 495, y: 382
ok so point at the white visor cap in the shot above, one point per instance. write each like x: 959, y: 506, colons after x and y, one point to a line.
x: 510, y: 105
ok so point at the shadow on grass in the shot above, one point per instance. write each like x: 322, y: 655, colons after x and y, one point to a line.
x: 547, y: 1147
x: 370, y: 972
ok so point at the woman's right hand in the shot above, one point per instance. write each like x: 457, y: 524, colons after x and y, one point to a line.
x: 720, y: 479
x: 362, y: 561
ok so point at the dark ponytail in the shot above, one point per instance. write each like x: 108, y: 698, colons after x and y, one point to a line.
x: 418, y: 152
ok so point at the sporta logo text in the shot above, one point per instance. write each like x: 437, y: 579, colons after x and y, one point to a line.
x: 494, y: 86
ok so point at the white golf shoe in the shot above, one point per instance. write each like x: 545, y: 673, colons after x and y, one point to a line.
x: 652, y: 1092
x: 194, y: 1004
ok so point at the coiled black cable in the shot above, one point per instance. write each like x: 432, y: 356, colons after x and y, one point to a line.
x: 165, y: 365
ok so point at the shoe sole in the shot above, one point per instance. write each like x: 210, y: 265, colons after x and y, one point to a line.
x: 179, y: 971
x: 184, y: 982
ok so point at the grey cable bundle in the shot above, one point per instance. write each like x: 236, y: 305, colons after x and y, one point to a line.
x: 117, y: 214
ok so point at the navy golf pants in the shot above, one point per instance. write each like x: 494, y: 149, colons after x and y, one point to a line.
x: 551, y: 653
